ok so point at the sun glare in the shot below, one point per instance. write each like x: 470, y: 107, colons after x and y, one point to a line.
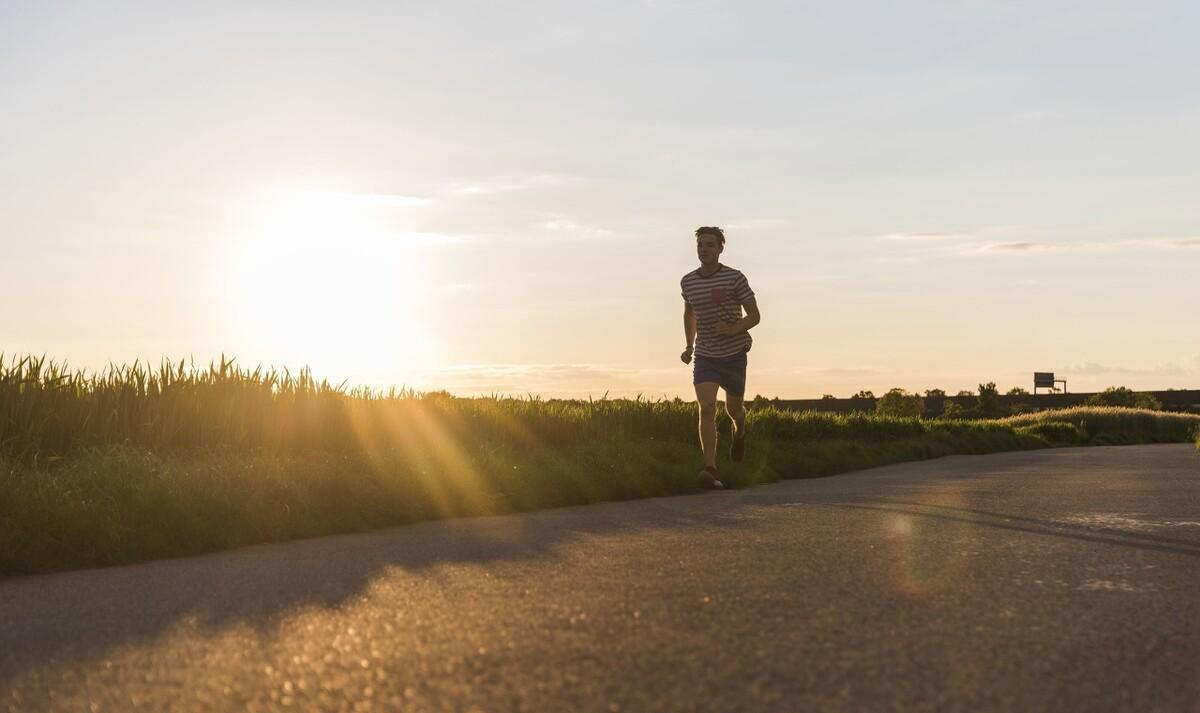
x: 321, y: 279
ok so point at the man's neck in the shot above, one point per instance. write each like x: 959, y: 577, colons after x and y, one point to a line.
x: 706, y: 270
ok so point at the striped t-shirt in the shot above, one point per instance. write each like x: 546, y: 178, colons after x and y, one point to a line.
x: 715, y: 299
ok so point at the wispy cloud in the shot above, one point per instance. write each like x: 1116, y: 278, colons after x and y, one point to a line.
x: 510, y: 184
x: 842, y: 371
x: 425, y: 239
x: 481, y: 189
x: 389, y: 200
x: 1016, y: 247
x: 753, y: 224
x: 1027, y: 239
x: 332, y: 199
x: 894, y: 260
x: 564, y: 227
x: 923, y: 237
x: 1172, y: 368
x: 1091, y: 246
x: 1177, y: 242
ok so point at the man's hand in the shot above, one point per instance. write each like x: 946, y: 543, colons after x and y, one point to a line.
x: 686, y: 356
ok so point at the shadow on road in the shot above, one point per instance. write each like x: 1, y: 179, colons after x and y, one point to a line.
x: 76, y: 616
x: 79, y: 616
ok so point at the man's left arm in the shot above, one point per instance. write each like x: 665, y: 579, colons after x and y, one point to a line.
x: 745, y: 323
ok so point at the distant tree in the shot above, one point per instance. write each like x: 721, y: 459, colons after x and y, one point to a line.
x: 953, y: 410
x: 898, y: 402
x: 828, y: 397
x: 1017, y: 391
x: 989, y: 405
x: 1122, y: 396
x: 760, y: 401
x: 864, y: 394
x: 935, y: 402
x: 964, y: 392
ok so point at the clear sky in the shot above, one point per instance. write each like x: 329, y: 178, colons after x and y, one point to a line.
x: 499, y: 197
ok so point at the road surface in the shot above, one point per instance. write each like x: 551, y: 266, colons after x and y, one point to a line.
x: 1057, y: 580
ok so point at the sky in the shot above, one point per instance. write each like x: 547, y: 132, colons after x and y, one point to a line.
x: 500, y: 197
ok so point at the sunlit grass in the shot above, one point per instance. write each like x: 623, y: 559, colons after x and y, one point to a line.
x: 135, y: 463
x: 1109, y: 425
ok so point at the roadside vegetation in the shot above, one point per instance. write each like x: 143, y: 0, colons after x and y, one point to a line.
x: 137, y: 463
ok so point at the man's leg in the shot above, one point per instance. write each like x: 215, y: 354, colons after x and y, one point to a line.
x: 735, y: 406
x: 734, y: 383
x: 706, y: 397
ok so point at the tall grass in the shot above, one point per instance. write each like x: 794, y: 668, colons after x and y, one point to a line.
x: 136, y: 462
x: 48, y: 412
x: 1109, y: 425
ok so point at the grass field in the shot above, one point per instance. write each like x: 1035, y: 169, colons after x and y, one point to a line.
x: 135, y: 464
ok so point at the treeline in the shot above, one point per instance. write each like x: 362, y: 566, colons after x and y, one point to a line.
x: 985, y: 403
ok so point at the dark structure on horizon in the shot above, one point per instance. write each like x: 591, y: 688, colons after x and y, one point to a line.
x: 1046, y: 380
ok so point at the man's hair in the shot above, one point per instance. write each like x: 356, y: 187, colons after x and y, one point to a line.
x: 709, y: 230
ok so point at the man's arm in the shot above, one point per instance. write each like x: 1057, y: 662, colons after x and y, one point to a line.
x: 745, y: 323
x: 689, y: 331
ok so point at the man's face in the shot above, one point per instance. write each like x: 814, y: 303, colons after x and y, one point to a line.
x: 708, y: 248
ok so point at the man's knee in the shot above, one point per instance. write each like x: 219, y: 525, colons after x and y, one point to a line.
x: 708, y: 409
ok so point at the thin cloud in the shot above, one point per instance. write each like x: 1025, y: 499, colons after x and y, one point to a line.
x: 349, y: 198
x: 511, y: 184
x: 390, y: 200
x: 1093, y: 246
x: 1178, y: 242
x: 1016, y: 247
x: 565, y: 227
x: 751, y: 224
x: 481, y: 189
x: 1096, y: 369
x: 923, y: 237
x: 425, y: 239
x: 842, y: 371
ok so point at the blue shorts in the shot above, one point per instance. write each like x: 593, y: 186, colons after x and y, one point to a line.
x: 729, y: 372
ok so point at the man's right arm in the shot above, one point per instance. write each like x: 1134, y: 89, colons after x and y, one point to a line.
x: 689, y: 331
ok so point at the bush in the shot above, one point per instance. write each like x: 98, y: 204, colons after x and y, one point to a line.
x: 898, y: 402
x: 953, y: 410
x: 989, y: 401
x: 1122, y: 396
x: 1112, y: 425
x: 1056, y: 432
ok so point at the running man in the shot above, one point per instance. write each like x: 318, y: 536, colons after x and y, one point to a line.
x: 713, y: 296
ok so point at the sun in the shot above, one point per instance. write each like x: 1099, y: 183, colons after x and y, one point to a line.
x: 321, y: 279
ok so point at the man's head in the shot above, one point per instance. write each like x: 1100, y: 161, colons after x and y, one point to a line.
x: 710, y: 242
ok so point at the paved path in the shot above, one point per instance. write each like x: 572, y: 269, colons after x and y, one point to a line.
x: 1063, y: 580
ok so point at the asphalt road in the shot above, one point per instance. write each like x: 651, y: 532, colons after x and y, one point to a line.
x: 1061, y: 580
